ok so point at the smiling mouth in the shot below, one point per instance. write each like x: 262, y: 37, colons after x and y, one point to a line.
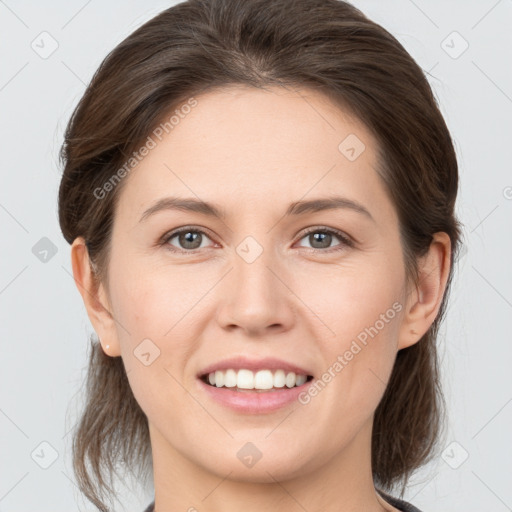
x: 263, y: 381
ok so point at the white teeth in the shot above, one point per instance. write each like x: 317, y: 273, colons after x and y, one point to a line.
x: 290, y: 380
x: 230, y: 379
x: 219, y: 379
x: 244, y: 380
x: 262, y: 379
x: 279, y: 379
x: 300, y: 380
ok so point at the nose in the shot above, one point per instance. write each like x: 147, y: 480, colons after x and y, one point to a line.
x: 256, y: 298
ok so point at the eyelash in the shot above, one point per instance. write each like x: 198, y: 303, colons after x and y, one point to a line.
x: 346, y: 241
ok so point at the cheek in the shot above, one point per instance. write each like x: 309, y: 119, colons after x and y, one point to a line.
x: 156, y: 329
x: 369, y: 325
x: 352, y: 296
x: 150, y: 302
x: 156, y: 341
x: 363, y: 315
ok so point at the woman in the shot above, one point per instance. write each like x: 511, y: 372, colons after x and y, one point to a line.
x: 259, y: 198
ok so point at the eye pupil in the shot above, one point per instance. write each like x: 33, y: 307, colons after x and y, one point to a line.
x: 321, y: 237
x: 188, y: 239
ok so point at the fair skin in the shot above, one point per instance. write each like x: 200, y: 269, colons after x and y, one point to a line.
x: 252, y: 153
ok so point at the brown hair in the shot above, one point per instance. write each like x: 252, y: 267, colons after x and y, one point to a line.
x: 196, y: 46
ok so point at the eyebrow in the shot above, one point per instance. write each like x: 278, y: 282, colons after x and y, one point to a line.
x: 294, y: 209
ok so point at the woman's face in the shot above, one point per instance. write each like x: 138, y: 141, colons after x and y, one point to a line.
x: 254, y: 284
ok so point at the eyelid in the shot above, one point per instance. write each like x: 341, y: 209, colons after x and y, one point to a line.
x: 346, y: 240
x: 184, y: 229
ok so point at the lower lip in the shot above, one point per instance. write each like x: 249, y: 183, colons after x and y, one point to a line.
x: 254, y: 402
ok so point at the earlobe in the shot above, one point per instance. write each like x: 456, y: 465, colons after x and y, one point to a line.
x: 94, y: 297
x: 424, y: 301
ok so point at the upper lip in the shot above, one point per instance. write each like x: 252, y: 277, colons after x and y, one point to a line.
x: 241, y: 362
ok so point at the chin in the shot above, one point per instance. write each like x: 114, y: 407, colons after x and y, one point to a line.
x: 267, y: 467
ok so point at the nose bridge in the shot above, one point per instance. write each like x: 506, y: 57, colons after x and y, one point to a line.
x: 255, y: 298
x: 255, y: 284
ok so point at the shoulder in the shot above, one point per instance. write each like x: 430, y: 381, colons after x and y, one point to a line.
x: 151, y: 507
x: 401, y: 505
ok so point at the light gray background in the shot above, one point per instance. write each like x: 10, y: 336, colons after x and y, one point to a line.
x: 44, y: 327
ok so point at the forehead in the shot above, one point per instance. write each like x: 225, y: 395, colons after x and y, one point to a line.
x: 244, y: 147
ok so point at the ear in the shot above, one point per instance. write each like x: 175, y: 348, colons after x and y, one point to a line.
x: 95, y: 298
x: 424, y: 301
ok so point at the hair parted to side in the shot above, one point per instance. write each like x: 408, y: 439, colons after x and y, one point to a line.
x: 197, y: 46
